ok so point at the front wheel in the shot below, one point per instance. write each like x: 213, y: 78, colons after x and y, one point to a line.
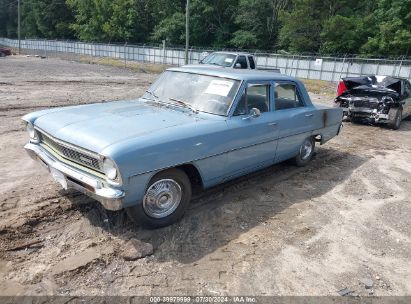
x: 306, y: 152
x: 395, y: 118
x: 165, y: 201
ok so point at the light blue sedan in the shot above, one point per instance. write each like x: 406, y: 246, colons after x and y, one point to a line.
x: 196, y: 127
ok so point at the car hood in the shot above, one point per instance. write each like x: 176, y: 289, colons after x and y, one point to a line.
x: 202, y: 65
x: 97, y: 126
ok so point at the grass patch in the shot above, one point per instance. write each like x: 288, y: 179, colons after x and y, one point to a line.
x: 320, y: 87
x: 139, y: 67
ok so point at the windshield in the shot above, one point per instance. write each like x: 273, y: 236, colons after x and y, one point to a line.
x: 203, y: 93
x: 225, y: 60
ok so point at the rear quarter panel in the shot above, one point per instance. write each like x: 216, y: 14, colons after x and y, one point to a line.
x: 330, y: 121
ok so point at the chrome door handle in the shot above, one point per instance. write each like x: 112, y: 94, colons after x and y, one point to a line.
x: 309, y: 115
x: 272, y: 124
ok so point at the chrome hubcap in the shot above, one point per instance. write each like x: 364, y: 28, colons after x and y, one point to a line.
x: 306, y: 149
x: 162, y: 198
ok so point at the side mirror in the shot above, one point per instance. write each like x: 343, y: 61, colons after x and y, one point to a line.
x: 254, y: 113
x: 237, y: 66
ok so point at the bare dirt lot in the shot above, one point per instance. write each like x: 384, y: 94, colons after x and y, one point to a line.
x: 282, y: 231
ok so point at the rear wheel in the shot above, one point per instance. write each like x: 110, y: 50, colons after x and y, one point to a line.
x: 165, y: 201
x: 395, y: 118
x: 306, y: 152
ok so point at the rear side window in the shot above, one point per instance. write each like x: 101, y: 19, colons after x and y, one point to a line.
x: 286, y: 96
x: 251, y: 61
x: 242, y: 61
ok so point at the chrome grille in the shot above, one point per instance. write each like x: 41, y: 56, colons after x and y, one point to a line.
x: 365, y: 104
x: 72, y: 154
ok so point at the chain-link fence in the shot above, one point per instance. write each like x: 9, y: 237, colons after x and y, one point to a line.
x: 309, y: 67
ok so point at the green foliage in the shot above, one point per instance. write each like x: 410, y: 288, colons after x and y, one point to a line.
x: 393, y: 34
x: 129, y: 21
x: 342, y: 35
x: 259, y: 23
x: 244, y: 39
x: 301, y: 27
x: 39, y: 19
x: 315, y: 25
x: 171, y: 29
x: 372, y: 28
x: 91, y: 19
x: 213, y: 22
x: 8, y: 19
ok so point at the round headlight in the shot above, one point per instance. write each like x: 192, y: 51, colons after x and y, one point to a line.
x: 109, y: 168
x: 32, y: 132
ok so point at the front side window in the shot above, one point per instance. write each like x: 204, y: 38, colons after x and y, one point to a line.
x: 257, y: 97
x: 286, y: 96
x: 241, y: 62
x: 203, y: 93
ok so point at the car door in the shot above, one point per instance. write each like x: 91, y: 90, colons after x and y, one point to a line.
x: 252, y: 141
x: 295, y: 117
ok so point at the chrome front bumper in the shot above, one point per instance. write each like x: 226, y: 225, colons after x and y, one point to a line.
x: 111, y: 198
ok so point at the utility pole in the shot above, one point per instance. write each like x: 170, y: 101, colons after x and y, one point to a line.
x: 18, y: 25
x: 187, y: 29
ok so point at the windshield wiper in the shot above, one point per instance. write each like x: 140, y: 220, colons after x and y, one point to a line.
x: 156, y: 98
x: 184, y: 104
x: 178, y: 101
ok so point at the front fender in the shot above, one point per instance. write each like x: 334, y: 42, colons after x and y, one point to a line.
x: 31, y: 117
x: 135, y: 187
x: 171, y: 148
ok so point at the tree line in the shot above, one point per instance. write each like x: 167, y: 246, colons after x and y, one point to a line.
x: 328, y: 27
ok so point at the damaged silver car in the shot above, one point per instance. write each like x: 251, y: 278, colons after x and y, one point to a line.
x: 375, y: 99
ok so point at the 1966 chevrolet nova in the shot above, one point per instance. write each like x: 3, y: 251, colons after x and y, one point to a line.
x: 195, y: 127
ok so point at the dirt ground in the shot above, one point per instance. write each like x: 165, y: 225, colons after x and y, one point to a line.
x: 344, y: 218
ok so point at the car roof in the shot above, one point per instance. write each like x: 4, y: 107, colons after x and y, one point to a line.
x: 232, y: 53
x: 237, y: 74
